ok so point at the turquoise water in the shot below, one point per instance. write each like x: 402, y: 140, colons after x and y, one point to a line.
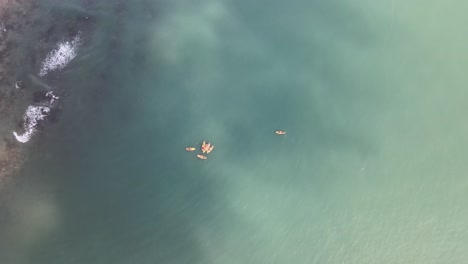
x: 372, y: 169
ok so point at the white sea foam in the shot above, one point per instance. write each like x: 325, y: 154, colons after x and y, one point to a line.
x: 58, y: 58
x: 31, y: 118
x: 53, y: 97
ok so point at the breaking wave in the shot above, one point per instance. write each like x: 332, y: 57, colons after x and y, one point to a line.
x: 32, y: 116
x: 58, y: 58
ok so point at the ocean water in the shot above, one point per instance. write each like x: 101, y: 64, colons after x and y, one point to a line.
x: 372, y: 169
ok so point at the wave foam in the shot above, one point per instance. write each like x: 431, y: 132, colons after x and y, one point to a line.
x: 31, y: 117
x: 53, y: 98
x: 58, y: 58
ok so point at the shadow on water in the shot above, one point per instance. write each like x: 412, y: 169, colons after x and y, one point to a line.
x: 123, y: 193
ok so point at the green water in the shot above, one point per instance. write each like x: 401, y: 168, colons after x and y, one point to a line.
x: 372, y: 169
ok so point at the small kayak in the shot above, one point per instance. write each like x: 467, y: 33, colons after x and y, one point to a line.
x: 201, y: 157
x: 280, y: 132
x: 203, y: 147
x: 190, y: 149
x: 210, y: 149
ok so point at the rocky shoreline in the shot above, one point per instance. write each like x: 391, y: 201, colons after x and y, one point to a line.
x: 15, y: 18
x: 34, y: 48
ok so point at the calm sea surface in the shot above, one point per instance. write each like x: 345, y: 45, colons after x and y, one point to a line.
x: 373, y: 168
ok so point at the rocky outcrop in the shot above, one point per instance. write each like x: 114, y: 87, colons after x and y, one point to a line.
x: 15, y: 18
